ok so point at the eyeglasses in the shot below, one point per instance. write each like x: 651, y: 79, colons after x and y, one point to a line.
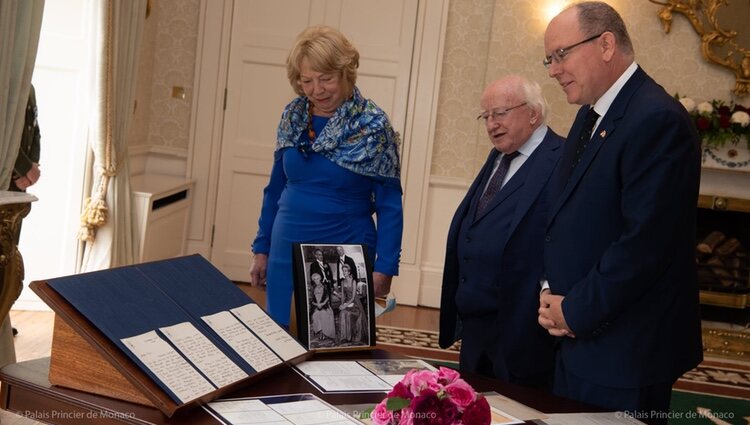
x: 558, y: 55
x: 497, y: 114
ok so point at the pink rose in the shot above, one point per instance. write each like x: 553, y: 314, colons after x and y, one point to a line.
x: 461, y: 393
x: 400, y: 390
x: 381, y: 415
x: 406, y: 380
x: 424, y: 380
x: 478, y: 413
x: 431, y: 409
x: 404, y: 417
x: 447, y: 375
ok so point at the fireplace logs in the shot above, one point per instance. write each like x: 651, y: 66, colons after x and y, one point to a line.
x: 723, y: 264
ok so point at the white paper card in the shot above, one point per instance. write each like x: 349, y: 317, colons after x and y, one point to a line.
x: 169, y: 366
x: 269, y: 331
x: 302, y: 409
x: 605, y: 418
x: 247, y: 412
x: 335, y: 367
x: 342, y: 375
x: 207, y: 357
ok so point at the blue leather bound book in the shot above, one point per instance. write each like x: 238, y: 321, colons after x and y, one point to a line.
x: 186, y: 328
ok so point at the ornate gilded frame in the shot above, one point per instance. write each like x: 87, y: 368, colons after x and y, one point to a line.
x: 718, y: 45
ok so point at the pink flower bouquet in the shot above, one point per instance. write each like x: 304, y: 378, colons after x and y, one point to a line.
x: 432, y: 397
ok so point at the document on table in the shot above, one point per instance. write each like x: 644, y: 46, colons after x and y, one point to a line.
x: 341, y: 375
x: 244, y: 342
x: 605, y: 418
x: 393, y: 370
x: 358, y: 375
x: 169, y: 366
x: 512, y: 407
x: 206, y: 356
x: 269, y: 331
x: 289, y: 409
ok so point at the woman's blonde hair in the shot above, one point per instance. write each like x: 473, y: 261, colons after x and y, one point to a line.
x: 328, y: 51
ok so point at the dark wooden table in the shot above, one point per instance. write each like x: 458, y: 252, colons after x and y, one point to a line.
x: 26, y: 390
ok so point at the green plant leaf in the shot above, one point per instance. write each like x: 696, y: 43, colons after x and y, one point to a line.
x: 396, y: 403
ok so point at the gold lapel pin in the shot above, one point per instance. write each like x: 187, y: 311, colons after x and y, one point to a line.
x: 603, y: 134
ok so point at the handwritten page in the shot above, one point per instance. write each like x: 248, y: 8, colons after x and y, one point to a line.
x: 337, y: 376
x: 247, y: 345
x: 269, y: 331
x: 289, y: 409
x: 168, y: 366
x: 207, y: 357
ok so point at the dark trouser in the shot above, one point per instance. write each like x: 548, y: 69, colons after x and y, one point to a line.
x: 648, y: 404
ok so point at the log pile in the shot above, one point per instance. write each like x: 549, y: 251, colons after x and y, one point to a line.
x: 723, y: 263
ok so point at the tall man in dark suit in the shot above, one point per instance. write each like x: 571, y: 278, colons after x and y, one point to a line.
x: 345, y: 259
x: 619, y: 247
x: 493, y: 259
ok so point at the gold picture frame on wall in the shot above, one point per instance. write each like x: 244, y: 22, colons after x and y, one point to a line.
x: 722, y: 41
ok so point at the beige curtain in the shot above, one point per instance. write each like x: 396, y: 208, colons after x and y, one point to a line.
x: 20, y: 25
x: 107, y: 220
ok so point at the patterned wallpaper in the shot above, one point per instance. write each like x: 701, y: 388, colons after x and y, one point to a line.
x: 514, y: 42
x: 167, y: 60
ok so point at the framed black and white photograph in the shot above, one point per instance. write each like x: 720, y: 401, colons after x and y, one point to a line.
x: 334, y: 296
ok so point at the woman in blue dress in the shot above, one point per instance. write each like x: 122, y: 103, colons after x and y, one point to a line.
x: 336, y: 164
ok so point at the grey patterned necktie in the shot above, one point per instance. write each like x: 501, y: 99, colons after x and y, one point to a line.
x: 496, y: 181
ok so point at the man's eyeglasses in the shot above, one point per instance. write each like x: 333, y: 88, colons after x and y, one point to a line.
x: 497, y: 114
x: 558, y: 55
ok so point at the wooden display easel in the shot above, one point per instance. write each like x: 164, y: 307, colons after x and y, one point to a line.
x: 83, y: 358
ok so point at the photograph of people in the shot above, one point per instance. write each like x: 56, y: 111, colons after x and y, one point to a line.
x: 322, y: 325
x: 323, y: 270
x: 353, y: 326
x: 336, y: 163
x: 344, y: 259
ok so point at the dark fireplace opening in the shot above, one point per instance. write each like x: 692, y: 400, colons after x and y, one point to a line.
x: 723, y: 259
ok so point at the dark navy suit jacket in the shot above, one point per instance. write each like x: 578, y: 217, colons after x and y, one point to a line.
x: 620, y: 243
x: 493, y: 265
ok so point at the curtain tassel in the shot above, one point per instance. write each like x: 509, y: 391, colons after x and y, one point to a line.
x: 94, y: 215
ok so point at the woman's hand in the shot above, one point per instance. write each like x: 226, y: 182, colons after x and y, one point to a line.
x: 382, y: 284
x: 258, y: 270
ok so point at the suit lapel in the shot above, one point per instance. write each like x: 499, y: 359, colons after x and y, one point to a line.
x: 510, y: 187
x: 468, y: 204
x: 530, y: 179
x: 476, y: 190
x: 539, y: 174
x: 601, y: 134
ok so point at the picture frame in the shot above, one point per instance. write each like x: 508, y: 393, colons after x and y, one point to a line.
x: 334, y: 296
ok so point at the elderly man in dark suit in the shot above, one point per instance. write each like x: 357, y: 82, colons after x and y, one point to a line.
x: 493, y: 259
x: 619, y: 247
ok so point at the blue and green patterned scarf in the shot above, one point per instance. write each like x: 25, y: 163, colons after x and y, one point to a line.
x: 358, y: 137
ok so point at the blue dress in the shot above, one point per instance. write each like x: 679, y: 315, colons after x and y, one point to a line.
x: 310, y: 199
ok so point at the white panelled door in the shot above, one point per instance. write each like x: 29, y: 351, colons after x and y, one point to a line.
x: 257, y: 90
